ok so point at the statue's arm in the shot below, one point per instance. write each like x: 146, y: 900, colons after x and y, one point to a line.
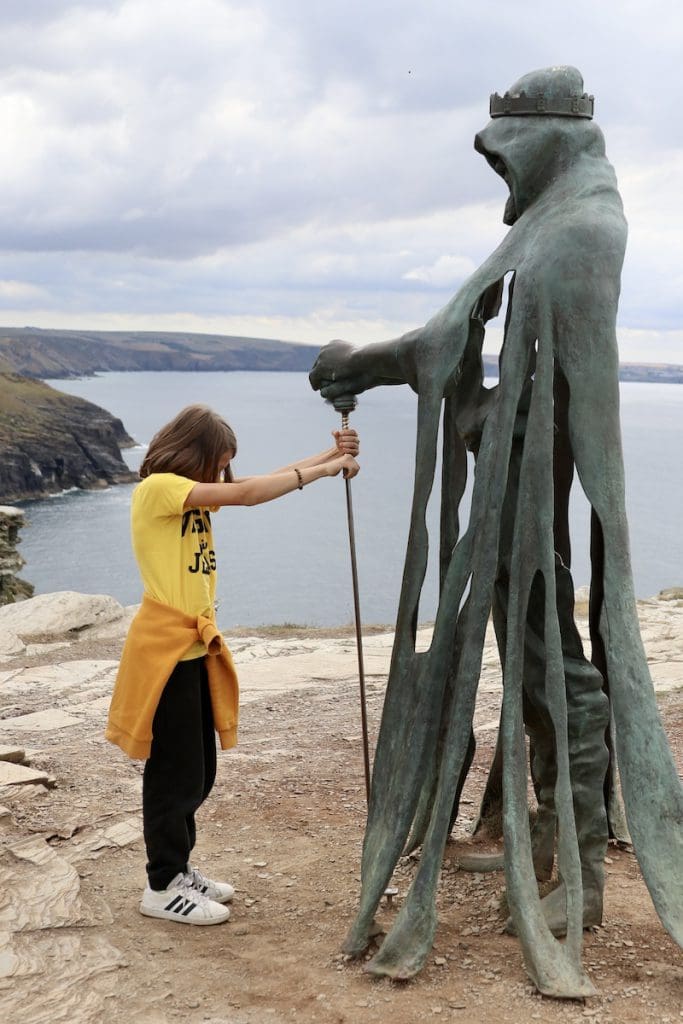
x: 413, y: 358
x: 342, y: 369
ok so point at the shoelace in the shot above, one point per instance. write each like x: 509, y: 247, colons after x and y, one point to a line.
x: 197, y: 881
x: 189, y: 891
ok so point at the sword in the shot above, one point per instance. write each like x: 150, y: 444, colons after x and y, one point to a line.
x: 345, y: 404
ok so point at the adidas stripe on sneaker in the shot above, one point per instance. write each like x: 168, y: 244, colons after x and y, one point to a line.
x: 181, y: 902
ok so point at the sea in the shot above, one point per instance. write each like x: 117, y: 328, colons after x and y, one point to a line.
x: 288, y: 561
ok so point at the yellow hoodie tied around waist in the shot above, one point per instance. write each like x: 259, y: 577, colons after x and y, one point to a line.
x: 158, y: 638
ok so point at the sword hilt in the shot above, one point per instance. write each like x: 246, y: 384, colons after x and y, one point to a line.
x: 345, y: 404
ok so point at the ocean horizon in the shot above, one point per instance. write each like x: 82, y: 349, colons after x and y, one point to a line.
x: 288, y: 561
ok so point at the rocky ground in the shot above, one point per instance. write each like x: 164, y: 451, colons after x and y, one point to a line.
x: 285, y: 824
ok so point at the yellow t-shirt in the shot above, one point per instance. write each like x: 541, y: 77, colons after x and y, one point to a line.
x: 173, y: 547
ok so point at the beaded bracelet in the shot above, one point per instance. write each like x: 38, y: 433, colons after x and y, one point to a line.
x: 299, y: 478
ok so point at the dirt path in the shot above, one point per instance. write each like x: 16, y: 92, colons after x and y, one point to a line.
x: 285, y: 825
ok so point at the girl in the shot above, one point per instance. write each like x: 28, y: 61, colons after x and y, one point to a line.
x: 176, y: 685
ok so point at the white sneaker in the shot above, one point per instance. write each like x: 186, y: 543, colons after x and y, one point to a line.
x: 181, y: 902
x: 219, y: 892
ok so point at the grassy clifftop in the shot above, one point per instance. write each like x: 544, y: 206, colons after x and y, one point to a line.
x: 50, y: 441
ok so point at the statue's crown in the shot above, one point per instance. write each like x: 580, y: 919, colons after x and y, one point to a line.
x: 540, y: 105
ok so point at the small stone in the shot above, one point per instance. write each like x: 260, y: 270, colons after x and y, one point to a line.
x: 440, y: 961
x: 14, y: 754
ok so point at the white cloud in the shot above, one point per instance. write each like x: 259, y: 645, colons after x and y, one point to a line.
x: 20, y: 291
x: 288, y: 163
x: 447, y: 271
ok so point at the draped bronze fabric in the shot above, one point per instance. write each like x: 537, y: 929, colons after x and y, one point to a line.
x: 554, y: 411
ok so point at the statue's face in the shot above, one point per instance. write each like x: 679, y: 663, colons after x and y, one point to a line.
x: 494, y: 151
x: 529, y: 153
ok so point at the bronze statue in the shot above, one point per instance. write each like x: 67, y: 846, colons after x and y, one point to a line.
x: 554, y: 410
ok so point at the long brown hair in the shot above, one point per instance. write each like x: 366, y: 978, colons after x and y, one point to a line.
x: 191, y: 445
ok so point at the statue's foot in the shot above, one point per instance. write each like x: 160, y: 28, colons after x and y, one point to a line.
x: 397, y: 960
x: 359, y: 939
x: 406, y: 948
x: 398, y: 970
x: 554, y: 907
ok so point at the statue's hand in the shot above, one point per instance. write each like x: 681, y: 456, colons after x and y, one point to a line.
x: 335, y: 371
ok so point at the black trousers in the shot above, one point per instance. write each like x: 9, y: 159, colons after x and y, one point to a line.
x: 179, y: 773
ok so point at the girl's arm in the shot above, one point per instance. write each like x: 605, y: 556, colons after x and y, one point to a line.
x: 255, y: 490
x: 346, y: 444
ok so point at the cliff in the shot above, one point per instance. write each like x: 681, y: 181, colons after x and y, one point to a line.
x: 50, y: 441
x: 46, y: 353
x: 11, y: 587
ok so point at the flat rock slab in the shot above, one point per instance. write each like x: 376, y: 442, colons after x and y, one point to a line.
x: 50, y: 615
x: 38, y: 721
x: 86, y: 678
x: 91, y: 843
x: 19, y: 775
x: 667, y: 677
x: 271, y: 674
x: 44, y: 649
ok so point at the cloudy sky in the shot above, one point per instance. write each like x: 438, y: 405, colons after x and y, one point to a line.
x: 303, y: 169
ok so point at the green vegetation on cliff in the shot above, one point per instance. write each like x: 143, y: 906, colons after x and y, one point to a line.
x: 50, y: 441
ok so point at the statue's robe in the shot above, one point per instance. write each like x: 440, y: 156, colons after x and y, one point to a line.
x: 563, y: 258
